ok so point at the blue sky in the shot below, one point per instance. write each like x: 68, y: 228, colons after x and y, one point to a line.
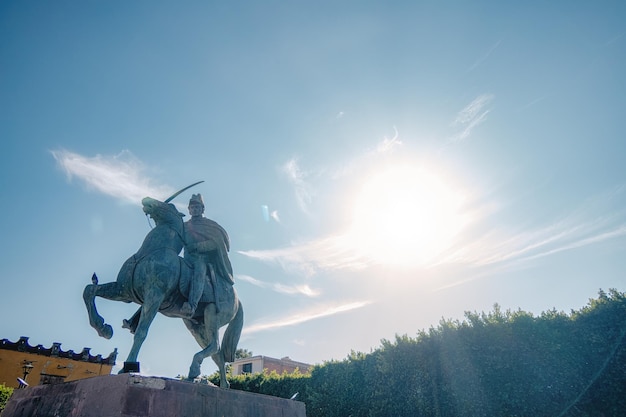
x: 378, y: 165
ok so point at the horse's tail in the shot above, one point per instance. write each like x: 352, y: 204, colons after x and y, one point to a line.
x: 232, y: 334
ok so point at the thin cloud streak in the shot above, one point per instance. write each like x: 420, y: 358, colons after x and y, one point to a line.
x: 572, y: 232
x: 471, y: 116
x: 331, y: 253
x: 484, y: 57
x: 615, y: 39
x: 280, y: 288
x: 384, y: 147
x: 505, y: 263
x: 388, y: 144
x: 601, y: 237
x: 118, y: 176
x: 294, y: 319
x: 533, y: 102
x: 472, y: 110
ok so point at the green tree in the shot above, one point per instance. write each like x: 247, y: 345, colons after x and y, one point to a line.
x: 243, y: 353
x: 505, y: 363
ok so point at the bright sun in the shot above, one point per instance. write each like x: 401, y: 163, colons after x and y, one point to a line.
x: 405, y: 216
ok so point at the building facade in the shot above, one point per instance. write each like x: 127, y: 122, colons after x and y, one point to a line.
x: 257, y: 364
x: 36, y: 365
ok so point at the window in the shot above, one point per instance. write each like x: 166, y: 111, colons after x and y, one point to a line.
x: 246, y: 368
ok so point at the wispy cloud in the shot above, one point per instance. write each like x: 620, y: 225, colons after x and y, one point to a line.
x: 120, y: 176
x: 592, y: 223
x: 297, y: 177
x: 598, y: 237
x: 388, y: 144
x: 500, y: 262
x: 280, y: 288
x: 471, y: 116
x: 330, y: 253
x: 302, y: 317
x: 532, y: 103
x: 615, y: 38
x: 483, y: 58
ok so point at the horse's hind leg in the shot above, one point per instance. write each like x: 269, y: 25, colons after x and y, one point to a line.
x: 218, y: 358
x: 207, y: 336
x: 227, y: 350
x: 110, y: 291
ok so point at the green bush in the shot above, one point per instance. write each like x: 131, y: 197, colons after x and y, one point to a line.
x: 5, y: 394
x: 269, y: 383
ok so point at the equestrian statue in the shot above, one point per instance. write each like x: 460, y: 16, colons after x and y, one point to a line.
x: 197, y: 288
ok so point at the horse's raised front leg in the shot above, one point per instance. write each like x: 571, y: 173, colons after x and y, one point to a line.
x: 110, y: 291
x: 207, y: 336
x: 149, y: 310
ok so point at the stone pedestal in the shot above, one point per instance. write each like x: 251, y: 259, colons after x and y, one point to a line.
x: 130, y: 395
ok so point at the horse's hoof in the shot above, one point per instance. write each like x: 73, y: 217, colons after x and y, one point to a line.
x: 106, y: 331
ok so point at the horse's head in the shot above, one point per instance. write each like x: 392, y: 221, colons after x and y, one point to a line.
x: 169, y: 229
x: 160, y: 212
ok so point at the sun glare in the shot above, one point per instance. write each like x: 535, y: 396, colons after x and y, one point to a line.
x: 405, y: 216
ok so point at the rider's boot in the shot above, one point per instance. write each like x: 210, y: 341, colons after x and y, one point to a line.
x: 196, y: 286
x: 132, y: 323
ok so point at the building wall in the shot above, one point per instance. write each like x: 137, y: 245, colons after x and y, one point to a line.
x: 49, y: 365
x: 284, y: 365
x: 254, y: 365
x: 261, y: 363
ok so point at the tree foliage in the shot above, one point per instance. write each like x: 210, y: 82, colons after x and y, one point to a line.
x: 505, y: 363
x: 243, y: 353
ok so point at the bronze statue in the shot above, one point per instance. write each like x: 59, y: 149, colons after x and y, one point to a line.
x: 158, y: 279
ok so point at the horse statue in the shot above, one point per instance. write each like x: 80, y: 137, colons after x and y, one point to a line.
x: 157, y: 278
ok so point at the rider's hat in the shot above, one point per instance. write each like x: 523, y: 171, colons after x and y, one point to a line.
x: 196, y: 199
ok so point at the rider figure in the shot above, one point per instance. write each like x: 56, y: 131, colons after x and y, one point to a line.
x: 206, y: 247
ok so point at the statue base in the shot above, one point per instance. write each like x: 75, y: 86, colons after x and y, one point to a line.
x: 131, y: 395
x: 130, y: 367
